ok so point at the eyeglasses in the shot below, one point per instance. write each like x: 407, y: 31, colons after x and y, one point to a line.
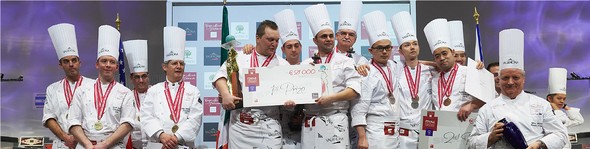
x: 136, y: 77
x: 350, y: 34
x: 381, y: 48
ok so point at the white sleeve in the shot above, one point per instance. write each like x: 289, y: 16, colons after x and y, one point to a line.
x: 189, y: 130
x: 479, y: 136
x: 352, y: 78
x: 554, y: 131
x: 361, y: 106
x: 221, y: 73
x: 75, y: 115
x: 128, y: 109
x: 48, y: 108
x: 574, y: 118
x: 150, y: 124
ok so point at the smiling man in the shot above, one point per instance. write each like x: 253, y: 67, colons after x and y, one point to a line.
x: 531, y: 114
x: 102, y: 114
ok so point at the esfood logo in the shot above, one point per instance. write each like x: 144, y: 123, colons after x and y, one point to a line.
x: 213, y: 56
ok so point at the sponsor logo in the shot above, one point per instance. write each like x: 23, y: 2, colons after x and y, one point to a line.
x: 335, y: 139
x: 345, y: 24
x: 291, y: 34
x: 510, y: 61
x: 213, y: 56
x: 408, y: 35
x: 460, y: 45
x: 138, y: 66
x: 103, y: 50
x: 382, y: 34
x: 325, y: 24
x: 440, y: 42
x: 68, y: 50
x: 172, y: 53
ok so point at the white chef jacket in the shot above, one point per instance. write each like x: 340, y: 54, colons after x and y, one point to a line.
x: 458, y: 95
x: 56, y: 106
x: 531, y: 114
x: 409, y: 117
x: 357, y: 58
x: 155, y: 113
x: 570, y: 118
x: 139, y: 138
x: 266, y: 132
x: 120, y: 109
x: 374, y: 108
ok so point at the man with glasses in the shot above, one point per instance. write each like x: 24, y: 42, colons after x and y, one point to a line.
x: 346, y: 34
x: 376, y: 114
x: 137, y: 56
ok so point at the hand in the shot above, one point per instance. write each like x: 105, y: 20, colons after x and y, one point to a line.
x: 363, y: 70
x: 290, y: 104
x: 363, y: 143
x: 70, y: 141
x: 566, y: 107
x: 168, y: 141
x: 248, y: 49
x: 496, y: 133
x: 324, y: 100
x: 101, y: 145
x: 89, y: 146
x: 480, y: 65
x: 464, y: 112
x: 227, y: 101
x: 554, y: 106
x: 536, y: 145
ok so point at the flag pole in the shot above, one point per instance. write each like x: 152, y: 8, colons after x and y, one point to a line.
x: 478, y: 46
x: 121, y: 53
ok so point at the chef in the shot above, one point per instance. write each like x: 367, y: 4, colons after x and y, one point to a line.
x: 531, y: 114
x: 172, y: 111
x: 569, y: 116
x: 102, y: 114
x: 59, y: 94
x: 137, y: 57
x: 457, y: 41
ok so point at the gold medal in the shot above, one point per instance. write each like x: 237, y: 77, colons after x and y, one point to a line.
x: 415, y: 104
x: 174, y: 128
x: 98, y: 125
x: 447, y: 101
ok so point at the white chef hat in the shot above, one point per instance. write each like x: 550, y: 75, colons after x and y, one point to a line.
x: 349, y: 14
x: 437, y: 34
x: 403, y: 27
x: 557, y: 80
x: 287, y: 25
x: 174, y: 43
x: 137, y: 55
x: 376, y: 26
x: 318, y: 18
x: 511, y: 49
x: 63, y: 37
x: 108, y: 41
x: 456, y: 30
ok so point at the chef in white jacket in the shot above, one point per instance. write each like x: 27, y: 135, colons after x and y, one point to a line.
x: 256, y: 127
x: 172, y: 111
x: 102, y: 114
x: 414, y: 87
x: 448, y: 86
x: 326, y: 124
x: 137, y: 57
x: 347, y: 34
x: 531, y: 114
x: 59, y: 94
x: 376, y: 115
x: 569, y: 116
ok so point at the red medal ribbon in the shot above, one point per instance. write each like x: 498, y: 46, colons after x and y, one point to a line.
x: 445, y: 86
x: 100, y: 100
x: 136, y: 95
x: 174, y: 106
x: 68, y: 93
x: 387, y: 80
x: 254, y: 60
x: 414, y: 85
x: 329, y: 58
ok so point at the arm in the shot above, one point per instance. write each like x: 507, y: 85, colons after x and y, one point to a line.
x: 50, y: 119
x: 227, y: 99
x: 75, y: 120
x: 190, y: 127
x: 363, y: 143
x: 345, y: 95
x: 468, y: 107
x: 78, y: 133
x: 574, y: 117
x: 360, y: 107
x: 554, y: 131
x: 150, y: 123
x: 480, y: 136
x: 126, y: 121
x: 122, y: 131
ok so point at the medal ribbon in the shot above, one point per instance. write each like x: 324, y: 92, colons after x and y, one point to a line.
x: 328, y: 59
x: 100, y: 100
x: 336, y: 50
x: 413, y: 84
x: 254, y: 60
x: 174, y: 106
x: 387, y: 80
x: 68, y: 91
x: 445, y: 86
x: 136, y: 95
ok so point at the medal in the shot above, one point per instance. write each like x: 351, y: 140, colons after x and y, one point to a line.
x: 447, y: 101
x: 174, y: 128
x: 98, y: 125
x: 66, y: 116
x: 391, y: 98
x: 171, y: 118
x: 414, y: 85
x: 68, y: 93
x: 137, y: 118
x: 388, y: 80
